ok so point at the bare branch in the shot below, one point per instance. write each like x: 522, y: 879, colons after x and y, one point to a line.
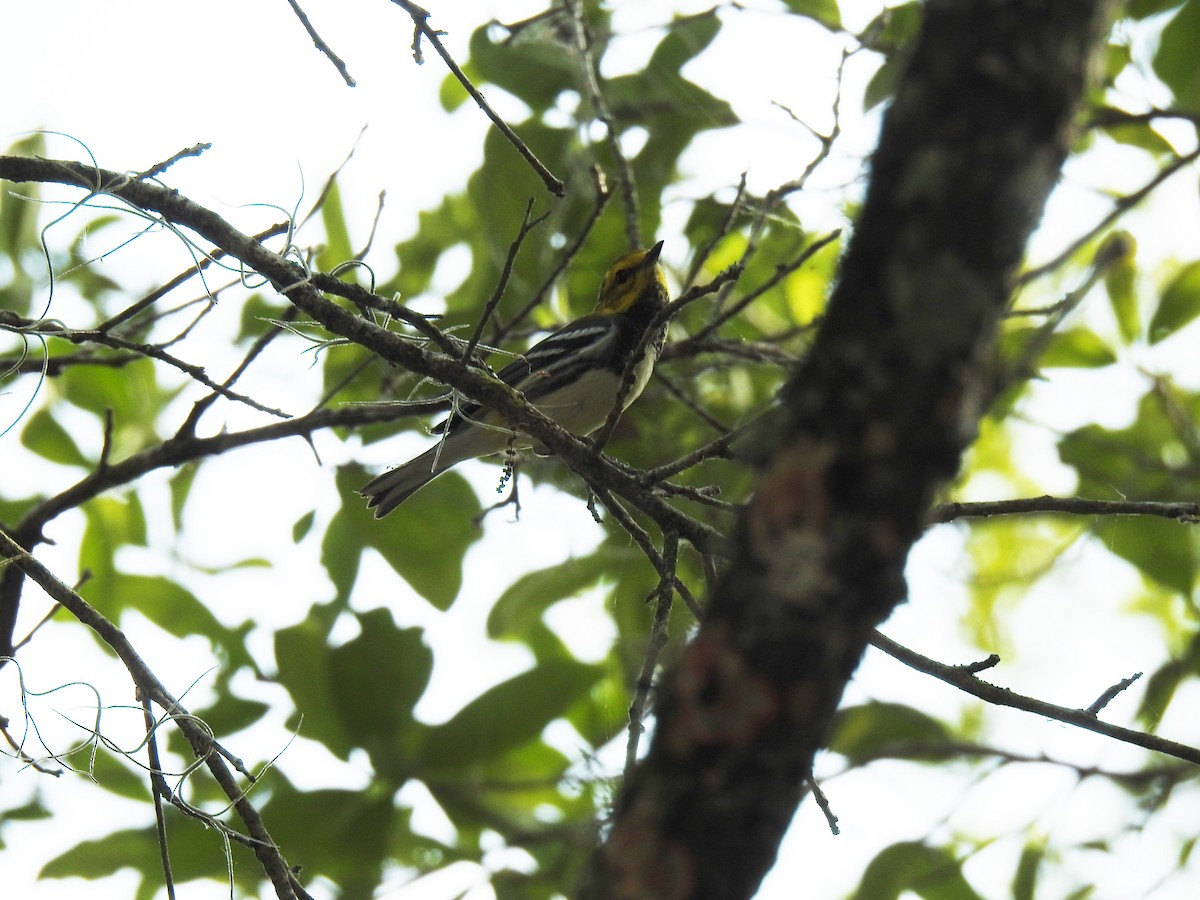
x: 320, y: 44
x: 964, y: 679
x: 602, y: 197
x: 1188, y: 513
x: 157, y: 169
x: 527, y: 225
x: 662, y: 596
x: 269, y: 855
x: 1121, y: 206
x: 303, y: 288
x: 421, y: 28
x: 1107, y: 697
x: 612, y: 136
x: 157, y: 792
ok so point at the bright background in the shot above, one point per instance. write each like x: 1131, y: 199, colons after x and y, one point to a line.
x: 142, y: 80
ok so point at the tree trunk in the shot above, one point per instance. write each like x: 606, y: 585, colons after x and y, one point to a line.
x: 876, y: 419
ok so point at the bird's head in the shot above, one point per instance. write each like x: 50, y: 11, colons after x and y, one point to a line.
x: 634, y: 279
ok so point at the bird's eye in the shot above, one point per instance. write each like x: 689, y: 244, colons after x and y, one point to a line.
x: 623, y: 276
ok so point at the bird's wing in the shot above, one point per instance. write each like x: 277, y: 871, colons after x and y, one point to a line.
x: 546, y: 363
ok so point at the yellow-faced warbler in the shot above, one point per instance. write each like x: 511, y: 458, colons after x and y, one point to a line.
x: 573, y: 376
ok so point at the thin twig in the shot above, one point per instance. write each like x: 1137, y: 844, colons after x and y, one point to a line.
x: 1188, y: 513
x: 692, y: 406
x: 160, y: 822
x: 153, y: 351
x: 1120, y: 206
x: 663, y: 596
x: 603, y: 195
x: 188, y: 428
x: 782, y: 271
x: 269, y: 855
x: 965, y: 680
x: 703, y: 253
x: 823, y: 805
x: 421, y: 29
x: 715, y: 449
x: 527, y: 225
x: 154, y: 296
x: 591, y: 88
x: 362, y: 254
x: 157, y: 169
x: 321, y: 45
x: 645, y: 544
x: 1107, y: 697
x: 330, y: 182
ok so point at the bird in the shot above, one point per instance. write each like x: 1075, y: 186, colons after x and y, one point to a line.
x: 572, y: 376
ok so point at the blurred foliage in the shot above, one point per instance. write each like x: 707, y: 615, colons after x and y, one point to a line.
x: 498, y: 768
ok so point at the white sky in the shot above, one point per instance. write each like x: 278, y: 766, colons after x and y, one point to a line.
x: 142, y: 80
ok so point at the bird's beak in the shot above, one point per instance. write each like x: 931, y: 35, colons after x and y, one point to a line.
x: 652, y: 254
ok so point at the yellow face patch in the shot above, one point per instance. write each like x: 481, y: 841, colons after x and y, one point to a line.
x: 631, y: 277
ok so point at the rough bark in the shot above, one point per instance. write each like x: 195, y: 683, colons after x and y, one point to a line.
x: 877, y: 418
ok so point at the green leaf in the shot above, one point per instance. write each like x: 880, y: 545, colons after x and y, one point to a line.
x: 1116, y: 58
x: 340, y: 368
x: 437, y: 231
x: 1141, y: 9
x: 451, y: 94
x: 929, y: 872
x: 1147, y: 460
x: 336, y: 690
x: 19, y: 230
x: 1175, y: 60
x: 1179, y: 303
x: 337, y: 249
x: 895, y: 28
x: 302, y: 526
x: 258, y: 312
x: 99, y: 388
x: 535, y: 69
x: 176, y: 610
x: 1161, y: 686
x: 181, y: 488
x: 342, y: 835
x: 1119, y: 283
x: 603, y: 714
x: 875, y: 730
x: 824, y: 11
x: 96, y: 859
x: 1161, y: 549
x: 1024, y: 883
x: 686, y: 39
x: 882, y: 85
x: 132, y: 393
x: 46, y: 437
x: 304, y: 666
x: 1078, y: 347
x: 1185, y: 851
x: 27, y: 812
x: 1140, y: 135
x: 525, y: 602
x: 381, y: 656
x: 425, y: 540
x: 230, y: 714
x: 671, y: 108
x: 514, y: 793
x: 113, y: 521
x: 195, y: 853
x: 117, y: 775
x: 507, y: 715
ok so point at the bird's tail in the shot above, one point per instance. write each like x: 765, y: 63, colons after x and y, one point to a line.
x: 387, y: 491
